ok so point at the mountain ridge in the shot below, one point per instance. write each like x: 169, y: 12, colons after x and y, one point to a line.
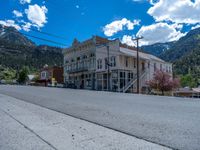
x: 16, y: 51
x: 184, y: 54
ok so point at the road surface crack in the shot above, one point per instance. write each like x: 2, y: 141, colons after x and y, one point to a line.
x: 30, y: 130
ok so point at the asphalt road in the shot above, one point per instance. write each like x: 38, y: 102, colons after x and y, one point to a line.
x: 25, y: 126
x: 172, y: 122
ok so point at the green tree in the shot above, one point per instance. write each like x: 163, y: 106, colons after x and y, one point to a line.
x: 7, y: 74
x: 23, y: 75
x: 188, y: 80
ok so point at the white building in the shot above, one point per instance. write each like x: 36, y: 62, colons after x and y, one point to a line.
x: 86, y: 65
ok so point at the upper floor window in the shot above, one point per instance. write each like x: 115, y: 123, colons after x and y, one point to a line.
x: 143, y: 66
x: 78, y: 58
x: 155, y: 67
x: 166, y: 68
x: 66, y: 61
x: 99, y: 64
x: 161, y: 67
x: 106, y: 63
x: 126, y: 61
x: 113, y: 61
x: 170, y: 69
x: 134, y: 62
x: 92, y: 55
x: 85, y: 57
x: 43, y: 75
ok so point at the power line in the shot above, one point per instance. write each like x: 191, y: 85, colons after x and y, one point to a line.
x: 43, y: 39
x: 50, y: 41
x: 42, y: 32
x: 49, y: 34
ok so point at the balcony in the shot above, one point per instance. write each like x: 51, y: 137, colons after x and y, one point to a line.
x: 80, y: 66
x: 77, y: 70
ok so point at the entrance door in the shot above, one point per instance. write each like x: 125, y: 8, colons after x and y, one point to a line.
x: 82, y: 82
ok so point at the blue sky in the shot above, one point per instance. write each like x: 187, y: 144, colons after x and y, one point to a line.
x: 156, y: 20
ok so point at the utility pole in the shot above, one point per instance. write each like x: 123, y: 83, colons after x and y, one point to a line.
x: 108, y: 66
x: 138, y: 66
x: 107, y: 63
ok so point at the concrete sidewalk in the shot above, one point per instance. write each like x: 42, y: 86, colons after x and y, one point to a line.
x: 24, y: 126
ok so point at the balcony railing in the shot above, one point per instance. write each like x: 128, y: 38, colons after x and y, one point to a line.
x: 76, y: 70
x: 80, y: 66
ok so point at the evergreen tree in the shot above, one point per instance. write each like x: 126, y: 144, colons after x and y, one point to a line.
x: 23, y: 75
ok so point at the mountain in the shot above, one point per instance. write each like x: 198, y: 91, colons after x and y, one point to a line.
x: 12, y: 35
x: 183, y: 47
x: 17, y: 51
x: 185, y: 53
x: 158, y: 48
x: 50, y: 48
x: 189, y: 63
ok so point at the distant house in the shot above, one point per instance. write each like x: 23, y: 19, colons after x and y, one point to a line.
x: 188, y: 92
x: 51, y: 76
x: 31, y: 77
x: 102, y: 64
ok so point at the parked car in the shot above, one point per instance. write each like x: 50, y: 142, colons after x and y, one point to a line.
x: 60, y: 85
x: 70, y: 85
x: 2, y: 81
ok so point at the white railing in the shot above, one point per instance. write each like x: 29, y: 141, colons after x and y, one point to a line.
x: 133, y: 82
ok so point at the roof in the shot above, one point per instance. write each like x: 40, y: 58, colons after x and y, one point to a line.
x: 133, y: 53
x: 50, y: 68
x: 100, y: 40
x: 188, y: 90
x: 31, y: 77
x: 196, y: 90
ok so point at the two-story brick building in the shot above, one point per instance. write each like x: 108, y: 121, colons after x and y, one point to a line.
x: 102, y: 64
x: 51, y: 75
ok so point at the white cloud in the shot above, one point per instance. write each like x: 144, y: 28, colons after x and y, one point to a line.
x: 177, y: 26
x: 127, y: 39
x: 26, y: 27
x: 150, y: 1
x: 153, y: 2
x: 159, y: 33
x: 37, y: 15
x: 195, y: 27
x: 25, y: 1
x: 178, y: 11
x: 119, y: 25
x: 17, y: 13
x: 10, y: 23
